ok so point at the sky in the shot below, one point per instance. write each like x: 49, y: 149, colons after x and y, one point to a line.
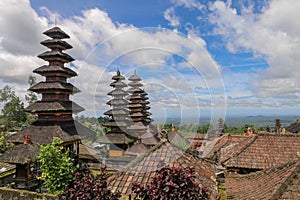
x: 196, y: 58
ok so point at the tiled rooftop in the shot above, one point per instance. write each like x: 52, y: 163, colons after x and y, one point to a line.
x: 262, y: 151
x: 143, y: 168
x: 217, y: 144
x: 274, y: 183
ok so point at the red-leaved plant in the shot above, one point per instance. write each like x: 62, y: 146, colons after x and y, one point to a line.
x: 170, y: 183
x: 87, y: 186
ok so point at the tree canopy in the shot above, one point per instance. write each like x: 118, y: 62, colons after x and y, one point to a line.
x: 56, y: 165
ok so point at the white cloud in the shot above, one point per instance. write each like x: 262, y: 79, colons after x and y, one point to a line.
x: 99, y: 45
x: 170, y: 16
x: 273, y: 34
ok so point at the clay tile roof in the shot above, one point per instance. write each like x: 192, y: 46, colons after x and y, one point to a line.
x: 141, y: 169
x: 280, y: 182
x: 42, y: 86
x: 21, y: 154
x: 262, y: 151
x: 46, y: 69
x: 56, y: 33
x: 44, y: 106
x: 217, y: 144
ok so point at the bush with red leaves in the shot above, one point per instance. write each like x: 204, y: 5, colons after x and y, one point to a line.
x: 85, y: 186
x: 171, y: 183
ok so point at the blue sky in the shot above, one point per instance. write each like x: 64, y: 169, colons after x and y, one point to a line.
x: 197, y: 58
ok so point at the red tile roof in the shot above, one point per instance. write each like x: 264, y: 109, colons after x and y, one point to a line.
x: 262, y: 151
x: 144, y: 167
x: 216, y: 145
x: 274, y: 183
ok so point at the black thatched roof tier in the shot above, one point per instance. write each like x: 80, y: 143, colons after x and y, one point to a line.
x: 136, y: 105
x: 21, y: 154
x: 138, y: 148
x: 117, y: 102
x: 118, y: 84
x: 56, y: 33
x: 49, y: 70
x: 134, y: 77
x: 117, y: 93
x: 115, y: 124
x: 149, y: 139
x: 294, y: 128
x: 115, y: 138
x: 53, y: 106
x: 45, y: 87
x: 43, y: 132
x: 118, y: 76
x: 138, y: 101
x: 135, y: 90
x: 135, y: 84
x: 137, y: 114
x: 121, y: 111
x: 136, y: 127
x: 136, y: 97
x: 56, y: 55
x: 56, y: 44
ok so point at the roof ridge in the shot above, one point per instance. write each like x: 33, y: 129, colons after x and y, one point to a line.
x: 288, y: 180
x: 242, y: 149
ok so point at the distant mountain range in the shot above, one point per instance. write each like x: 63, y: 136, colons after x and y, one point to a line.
x: 258, y: 120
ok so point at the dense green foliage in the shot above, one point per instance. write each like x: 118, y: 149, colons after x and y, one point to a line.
x: 13, y: 114
x: 4, y: 145
x: 56, y: 165
x: 87, y: 186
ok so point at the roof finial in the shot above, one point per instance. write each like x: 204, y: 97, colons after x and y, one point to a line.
x: 134, y: 72
x: 172, y: 128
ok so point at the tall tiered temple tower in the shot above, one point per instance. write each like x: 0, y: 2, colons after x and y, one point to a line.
x: 139, y: 113
x: 55, y: 105
x: 54, y: 112
x: 118, y: 118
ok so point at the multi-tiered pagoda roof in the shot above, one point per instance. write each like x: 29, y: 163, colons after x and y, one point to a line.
x: 54, y: 110
x: 139, y: 112
x: 118, y: 114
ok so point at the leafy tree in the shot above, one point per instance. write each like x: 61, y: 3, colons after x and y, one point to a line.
x: 203, y: 129
x: 13, y: 114
x: 171, y: 183
x: 87, y: 186
x: 4, y: 145
x: 56, y: 165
